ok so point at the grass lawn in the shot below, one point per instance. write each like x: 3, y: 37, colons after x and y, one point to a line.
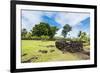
x: 30, y: 52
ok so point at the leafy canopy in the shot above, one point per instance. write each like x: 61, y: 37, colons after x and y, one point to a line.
x: 44, y: 29
x: 67, y: 28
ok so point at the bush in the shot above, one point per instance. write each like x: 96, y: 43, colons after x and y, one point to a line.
x: 44, y: 37
x: 35, y: 38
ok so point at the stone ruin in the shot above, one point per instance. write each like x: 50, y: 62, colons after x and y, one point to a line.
x: 71, y: 46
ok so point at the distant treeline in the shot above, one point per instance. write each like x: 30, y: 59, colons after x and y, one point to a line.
x: 43, y: 31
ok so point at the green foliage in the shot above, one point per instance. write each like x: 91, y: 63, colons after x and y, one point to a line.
x: 75, y: 39
x: 40, y: 29
x: 44, y: 29
x: 28, y: 35
x: 79, y: 34
x: 44, y: 37
x: 35, y: 38
x: 52, y: 32
x: 83, y: 37
x: 32, y: 47
x: 23, y: 33
x: 67, y: 28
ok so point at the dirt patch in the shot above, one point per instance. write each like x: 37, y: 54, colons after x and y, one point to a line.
x: 82, y: 56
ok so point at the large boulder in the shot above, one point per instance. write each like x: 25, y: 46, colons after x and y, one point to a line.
x: 71, y: 46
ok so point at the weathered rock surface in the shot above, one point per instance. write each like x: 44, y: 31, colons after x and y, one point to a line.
x: 71, y: 46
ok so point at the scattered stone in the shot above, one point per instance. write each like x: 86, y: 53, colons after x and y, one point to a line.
x: 30, y: 60
x: 71, y: 46
x: 52, y: 51
x: 24, y: 54
x: 43, y: 51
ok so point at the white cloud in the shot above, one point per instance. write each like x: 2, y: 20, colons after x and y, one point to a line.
x: 50, y: 14
x: 58, y: 33
x: 70, y: 18
x: 72, y: 33
x: 30, y: 18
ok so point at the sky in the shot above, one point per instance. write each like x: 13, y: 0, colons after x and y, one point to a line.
x: 77, y: 20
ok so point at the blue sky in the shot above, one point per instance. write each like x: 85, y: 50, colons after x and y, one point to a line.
x: 78, y: 21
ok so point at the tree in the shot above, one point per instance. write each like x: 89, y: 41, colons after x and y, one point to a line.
x: 41, y: 29
x: 67, y: 28
x: 23, y: 33
x: 79, y: 34
x: 83, y: 36
x: 28, y: 35
x: 52, y: 31
x: 44, y: 29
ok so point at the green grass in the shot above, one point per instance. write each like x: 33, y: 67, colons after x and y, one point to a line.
x: 31, y: 49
